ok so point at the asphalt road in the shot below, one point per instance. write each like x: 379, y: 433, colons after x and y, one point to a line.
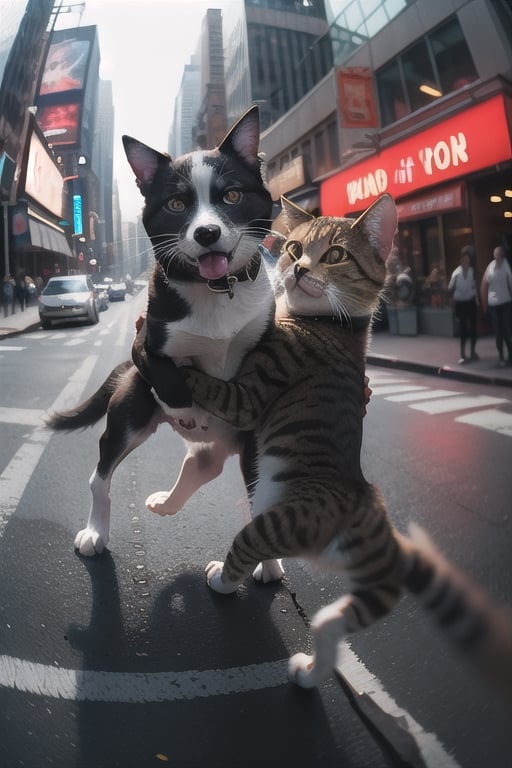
x: 129, y: 660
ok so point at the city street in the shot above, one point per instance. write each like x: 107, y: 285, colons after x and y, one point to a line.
x: 129, y: 660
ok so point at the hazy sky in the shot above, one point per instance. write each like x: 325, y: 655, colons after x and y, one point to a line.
x: 144, y: 46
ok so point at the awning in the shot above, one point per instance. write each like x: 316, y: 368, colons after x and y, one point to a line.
x: 47, y: 238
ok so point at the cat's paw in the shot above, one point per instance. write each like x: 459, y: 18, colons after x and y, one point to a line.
x: 267, y: 571
x: 161, y: 503
x: 301, y: 670
x: 214, y: 578
x: 90, y: 542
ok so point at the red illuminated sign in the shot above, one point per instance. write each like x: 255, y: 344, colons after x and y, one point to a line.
x: 60, y: 123
x: 472, y: 140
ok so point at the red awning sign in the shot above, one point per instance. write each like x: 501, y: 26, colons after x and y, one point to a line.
x: 454, y: 148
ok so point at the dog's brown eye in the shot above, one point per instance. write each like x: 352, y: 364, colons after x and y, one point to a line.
x: 175, y: 204
x: 232, y: 197
x: 294, y: 249
x: 335, y: 255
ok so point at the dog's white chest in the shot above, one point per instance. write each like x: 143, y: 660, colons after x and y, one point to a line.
x: 219, y: 332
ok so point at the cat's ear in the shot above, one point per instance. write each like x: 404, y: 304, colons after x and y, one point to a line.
x: 290, y: 216
x: 144, y: 161
x: 243, y: 139
x: 379, y: 223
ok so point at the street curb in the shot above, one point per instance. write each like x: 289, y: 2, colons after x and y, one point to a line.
x: 443, y: 371
x: 17, y: 331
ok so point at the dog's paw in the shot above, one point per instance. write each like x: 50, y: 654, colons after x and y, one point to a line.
x: 90, y: 542
x: 161, y: 503
x: 267, y: 571
x: 301, y: 670
x: 214, y: 578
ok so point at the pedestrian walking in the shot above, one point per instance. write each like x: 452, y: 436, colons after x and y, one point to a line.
x: 463, y: 285
x: 8, y: 299
x: 496, y: 297
x: 20, y: 291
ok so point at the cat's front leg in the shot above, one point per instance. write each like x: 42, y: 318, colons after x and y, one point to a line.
x: 214, y: 571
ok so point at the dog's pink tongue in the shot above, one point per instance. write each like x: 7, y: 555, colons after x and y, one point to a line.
x: 213, y: 265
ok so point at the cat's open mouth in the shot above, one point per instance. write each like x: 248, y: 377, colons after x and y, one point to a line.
x: 213, y: 265
x: 308, y: 284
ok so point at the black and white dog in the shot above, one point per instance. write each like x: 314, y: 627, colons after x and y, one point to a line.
x: 209, y: 302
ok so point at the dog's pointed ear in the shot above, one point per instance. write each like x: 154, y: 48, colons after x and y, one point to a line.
x: 243, y: 139
x: 143, y: 160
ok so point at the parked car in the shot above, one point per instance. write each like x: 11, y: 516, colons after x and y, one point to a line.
x: 117, y: 291
x: 68, y: 297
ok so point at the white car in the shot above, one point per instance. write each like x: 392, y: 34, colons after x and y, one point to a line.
x: 68, y: 297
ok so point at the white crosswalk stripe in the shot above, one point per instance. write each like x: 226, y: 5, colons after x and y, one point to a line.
x: 496, y: 421
x: 457, y: 403
x: 426, y: 394
x: 397, y: 389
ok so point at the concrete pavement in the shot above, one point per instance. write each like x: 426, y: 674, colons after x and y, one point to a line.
x: 433, y: 355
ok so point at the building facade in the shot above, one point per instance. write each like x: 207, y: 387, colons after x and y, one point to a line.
x: 211, y: 124
x: 276, y: 52
x: 418, y: 104
x: 186, y: 107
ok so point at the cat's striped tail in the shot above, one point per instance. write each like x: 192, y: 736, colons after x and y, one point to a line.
x: 90, y: 411
x: 480, y: 630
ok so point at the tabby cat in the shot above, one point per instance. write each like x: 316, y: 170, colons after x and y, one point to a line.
x: 301, y: 390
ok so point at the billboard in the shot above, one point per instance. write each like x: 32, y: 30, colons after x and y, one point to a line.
x: 43, y: 180
x: 22, y: 48
x: 62, y: 86
x: 66, y: 66
x: 60, y: 123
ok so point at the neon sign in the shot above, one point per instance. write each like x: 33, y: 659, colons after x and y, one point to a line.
x: 77, y: 215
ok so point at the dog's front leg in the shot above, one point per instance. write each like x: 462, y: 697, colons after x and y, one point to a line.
x: 201, y: 464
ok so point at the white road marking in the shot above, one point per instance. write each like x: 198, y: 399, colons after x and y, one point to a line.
x: 155, y: 687
x: 121, y: 337
x: 30, y: 417
x: 391, y: 389
x: 457, y: 403
x: 350, y: 667
x: 17, y: 473
x: 138, y: 687
x: 427, y: 394
x: 11, y: 349
x: 492, y: 419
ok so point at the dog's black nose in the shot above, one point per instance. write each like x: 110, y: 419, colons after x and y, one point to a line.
x: 207, y: 235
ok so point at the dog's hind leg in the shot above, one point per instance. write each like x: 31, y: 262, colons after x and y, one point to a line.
x: 131, y: 419
x: 203, y: 462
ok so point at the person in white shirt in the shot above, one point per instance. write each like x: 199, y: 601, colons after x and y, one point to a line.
x: 496, y: 296
x: 463, y: 284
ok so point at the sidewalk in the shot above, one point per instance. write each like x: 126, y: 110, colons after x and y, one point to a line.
x: 438, y: 355
x: 433, y: 355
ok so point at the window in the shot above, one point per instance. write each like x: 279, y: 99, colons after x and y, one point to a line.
x: 452, y: 57
x: 434, y: 66
x: 420, y: 79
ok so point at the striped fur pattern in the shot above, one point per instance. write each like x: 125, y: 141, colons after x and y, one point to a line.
x: 301, y: 390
